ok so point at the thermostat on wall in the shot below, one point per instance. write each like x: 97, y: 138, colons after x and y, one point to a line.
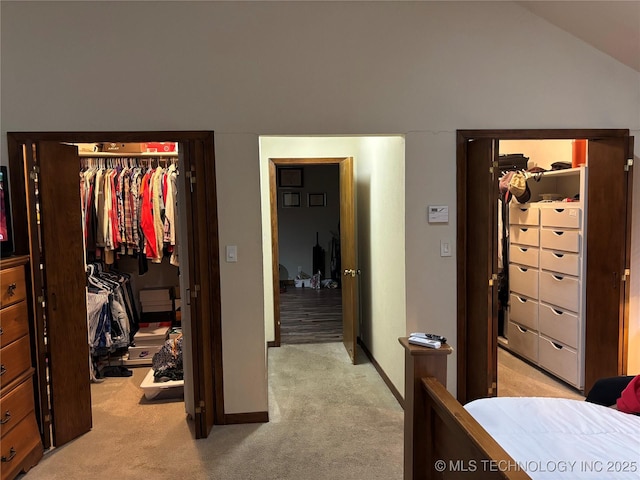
x: 438, y: 213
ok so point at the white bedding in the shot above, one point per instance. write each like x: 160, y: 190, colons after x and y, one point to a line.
x: 554, y: 438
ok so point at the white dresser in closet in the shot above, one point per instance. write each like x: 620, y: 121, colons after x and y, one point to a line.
x: 524, y: 260
x: 560, y: 291
x: 546, y: 270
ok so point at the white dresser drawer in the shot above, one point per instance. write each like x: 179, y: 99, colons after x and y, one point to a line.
x: 523, y: 311
x: 523, y: 280
x: 524, y: 215
x: 559, y: 325
x: 523, y: 341
x: 524, y: 255
x: 561, y: 262
x: 524, y: 235
x: 565, y: 240
x: 560, y: 291
x: 560, y: 217
x: 559, y: 359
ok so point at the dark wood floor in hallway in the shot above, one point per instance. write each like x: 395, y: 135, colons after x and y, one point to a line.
x: 308, y: 315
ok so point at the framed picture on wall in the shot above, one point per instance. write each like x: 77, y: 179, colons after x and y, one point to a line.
x: 290, y: 177
x: 290, y: 199
x: 317, y: 199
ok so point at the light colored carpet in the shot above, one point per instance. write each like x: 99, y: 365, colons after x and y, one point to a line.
x: 329, y: 420
x: 516, y: 378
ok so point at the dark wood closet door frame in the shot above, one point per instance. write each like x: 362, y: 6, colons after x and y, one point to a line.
x: 472, y: 377
x: 199, y: 165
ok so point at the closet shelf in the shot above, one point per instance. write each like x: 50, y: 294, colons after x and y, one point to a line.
x: 563, y: 173
x: 128, y: 155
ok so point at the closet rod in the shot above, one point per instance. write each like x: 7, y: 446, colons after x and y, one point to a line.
x: 128, y: 155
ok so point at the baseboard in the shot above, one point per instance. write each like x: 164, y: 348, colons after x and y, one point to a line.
x: 383, y: 375
x: 251, y: 417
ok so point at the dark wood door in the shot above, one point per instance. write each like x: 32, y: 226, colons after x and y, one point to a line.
x: 477, y: 262
x: 204, y: 284
x: 349, y: 261
x: 65, y: 289
x: 607, y: 257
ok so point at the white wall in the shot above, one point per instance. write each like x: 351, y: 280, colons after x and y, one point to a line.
x: 246, y: 69
x: 381, y: 252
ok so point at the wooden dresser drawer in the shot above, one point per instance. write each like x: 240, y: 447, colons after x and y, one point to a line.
x: 565, y: 240
x: 20, y: 448
x: 559, y: 359
x: 523, y: 341
x: 559, y: 325
x: 560, y: 291
x: 13, y: 323
x: 15, y: 359
x: 524, y: 311
x: 523, y: 280
x: 15, y: 405
x: 562, y: 262
x: 12, y: 286
x: 524, y: 215
x: 524, y: 255
x: 524, y: 236
x: 560, y: 217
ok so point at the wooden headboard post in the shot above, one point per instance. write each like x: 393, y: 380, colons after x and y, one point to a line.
x: 420, y: 362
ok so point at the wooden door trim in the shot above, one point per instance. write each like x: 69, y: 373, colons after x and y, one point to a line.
x: 24, y: 245
x: 273, y: 199
x: 463, y: 136
x: 21, y: 229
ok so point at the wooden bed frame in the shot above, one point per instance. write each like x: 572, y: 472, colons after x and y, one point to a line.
x: 442, y: 440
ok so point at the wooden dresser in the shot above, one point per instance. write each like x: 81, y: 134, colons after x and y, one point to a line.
x: 20, y: 444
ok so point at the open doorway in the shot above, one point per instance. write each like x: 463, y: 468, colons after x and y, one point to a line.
x: 379, y: 201
x: 45, y: 170
x: 308, y: 217
x: 595, y: 232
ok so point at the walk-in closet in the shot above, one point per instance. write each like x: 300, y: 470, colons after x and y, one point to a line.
x: 119, y: 292
x: 129, y: 196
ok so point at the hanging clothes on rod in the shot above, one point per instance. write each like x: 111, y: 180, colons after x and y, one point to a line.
x: 129, y: 208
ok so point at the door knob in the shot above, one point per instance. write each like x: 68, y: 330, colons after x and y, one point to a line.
x: 351, y: 271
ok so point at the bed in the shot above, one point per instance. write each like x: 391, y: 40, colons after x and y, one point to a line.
x: 537, y: 438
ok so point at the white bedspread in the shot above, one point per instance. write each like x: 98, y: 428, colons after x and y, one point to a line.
x: 553, y: 438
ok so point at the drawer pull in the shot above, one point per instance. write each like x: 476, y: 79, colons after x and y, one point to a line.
x: 557, y: 312
x: 523, y: 270
x: 522, y: 330
x: 3, y: 370
x: 559, y: 210
x: 523, y: 250
x: 558, y: 278
x: 558, y: 255
x: 7, y: 417
x: 557, y: 346
x: 524, y: 229
x: 12, y: 453
x: 11, y: 290
x: 558, y: 233
x: 522, y: 300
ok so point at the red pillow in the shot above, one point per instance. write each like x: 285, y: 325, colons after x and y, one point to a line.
x: 629, y: 401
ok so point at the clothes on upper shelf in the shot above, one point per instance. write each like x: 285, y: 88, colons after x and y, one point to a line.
x: 128, y: 209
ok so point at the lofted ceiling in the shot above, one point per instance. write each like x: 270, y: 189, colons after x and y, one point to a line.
x: 612, y: 27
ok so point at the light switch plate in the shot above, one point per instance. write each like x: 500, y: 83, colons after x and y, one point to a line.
x: 232, y: 253
x: 445, y: 248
